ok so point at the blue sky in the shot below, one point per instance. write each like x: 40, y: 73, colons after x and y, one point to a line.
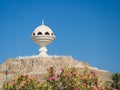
x: 88, y: 30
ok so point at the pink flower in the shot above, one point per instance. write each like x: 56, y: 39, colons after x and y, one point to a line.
x: 38, y: 81
x: 69, y: 74
x: 49, y: 79
x: 31, y: 78
x: 84, y: 79
x: 76, y: 88
x: 100, y: 88
x: 80, y: 75
x: 84, y: 84
x: 14, y: 83
x: 24, y: 75
x: 52, y: 78
x: 88, y: 75
x: 62, y: 69
x: 93, y: 88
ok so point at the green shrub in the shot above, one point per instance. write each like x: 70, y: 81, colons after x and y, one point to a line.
x: 73, y: 79
x: 65, y: 79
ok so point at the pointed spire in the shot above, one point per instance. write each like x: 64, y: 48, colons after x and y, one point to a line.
x: 42, y: 22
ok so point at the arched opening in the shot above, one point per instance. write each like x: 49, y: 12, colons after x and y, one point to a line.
x: 52, y: 34
x: 47, y: 33
x: 33, y: 34
x: 39, y: 33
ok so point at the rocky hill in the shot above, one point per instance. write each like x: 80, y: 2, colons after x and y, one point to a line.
x: 36, y: 66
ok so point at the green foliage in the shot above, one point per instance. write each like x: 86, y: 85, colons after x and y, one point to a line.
x: 23, y: 82
x: 73, y: 79
x: 116, y: 80
x: 65, y: 79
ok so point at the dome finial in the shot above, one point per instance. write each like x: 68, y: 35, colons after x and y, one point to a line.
x: 42, y: 22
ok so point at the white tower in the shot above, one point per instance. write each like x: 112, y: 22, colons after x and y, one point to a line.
x: 42, y: 36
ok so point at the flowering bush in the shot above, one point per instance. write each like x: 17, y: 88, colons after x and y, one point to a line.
x: 65, y: 79
x: 73, y: 79
x: 22, y: 82
x: 25, y: 82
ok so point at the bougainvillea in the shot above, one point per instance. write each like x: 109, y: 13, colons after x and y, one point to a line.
x: 64, y: 79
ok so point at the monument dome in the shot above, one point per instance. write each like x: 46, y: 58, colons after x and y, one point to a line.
x: 43, y: 36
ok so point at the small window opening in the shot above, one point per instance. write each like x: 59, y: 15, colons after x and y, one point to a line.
x: 39, y: 33
x: 33, y: 34
x: 52, y: 34
x: 47, y: 33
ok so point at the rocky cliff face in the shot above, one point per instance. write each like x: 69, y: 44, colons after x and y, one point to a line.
x: 37, y: 66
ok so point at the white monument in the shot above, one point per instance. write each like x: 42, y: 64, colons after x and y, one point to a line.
x: 43, y: 36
